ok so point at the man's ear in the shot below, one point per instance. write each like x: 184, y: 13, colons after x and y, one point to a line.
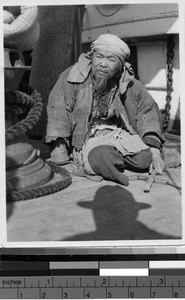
x: 119, y: 72
x: 90, y: 54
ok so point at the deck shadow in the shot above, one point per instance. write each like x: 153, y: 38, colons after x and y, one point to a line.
x: 115, y: 213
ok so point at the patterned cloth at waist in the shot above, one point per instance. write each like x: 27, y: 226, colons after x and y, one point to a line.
x: 102, y: 126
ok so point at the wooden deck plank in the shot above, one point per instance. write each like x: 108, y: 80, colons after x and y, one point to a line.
x: 99, y: 212
x: 95, y: 211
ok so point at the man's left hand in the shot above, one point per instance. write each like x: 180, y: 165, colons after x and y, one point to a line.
x: 157, y: 162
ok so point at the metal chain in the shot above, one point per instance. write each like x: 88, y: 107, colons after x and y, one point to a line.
x: 169, y: 75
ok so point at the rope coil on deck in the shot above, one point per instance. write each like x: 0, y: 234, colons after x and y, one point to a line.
x: 44, y: 190
x: 35, y: 102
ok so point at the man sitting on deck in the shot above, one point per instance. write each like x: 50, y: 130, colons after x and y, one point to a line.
x: 102, y: 117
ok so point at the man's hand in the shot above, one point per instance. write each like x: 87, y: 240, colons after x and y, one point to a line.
x: 157, y: 162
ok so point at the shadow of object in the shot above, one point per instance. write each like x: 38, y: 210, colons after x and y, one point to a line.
x: 9, y: 205
x: 115, y: 212
x: 9, y: 210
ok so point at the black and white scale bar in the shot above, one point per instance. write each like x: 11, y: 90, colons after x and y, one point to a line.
x: 53, y: 272
x: 24, y: 265
x: 83, y: 257
x: 167, y: 268
x: 77, y: 268
x: 124, y: 268
x: 74, y: 268
x: 74, y: 272
x: 167, y: 272
x: 34, y: 268
x: 92, y: 268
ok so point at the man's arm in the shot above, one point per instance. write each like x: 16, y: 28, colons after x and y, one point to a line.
x: 61, y: 99
x: 149, y: 126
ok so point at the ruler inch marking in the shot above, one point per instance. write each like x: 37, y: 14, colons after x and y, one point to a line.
x: 84, y: 291
x: 39, y: 292
x: 166, y: 286
x: 52, y: 281
x: 17, y: 292
x: 172, y: 291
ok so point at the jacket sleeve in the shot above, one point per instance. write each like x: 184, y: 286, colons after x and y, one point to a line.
x: 148, y: 119
x: 60, y: 105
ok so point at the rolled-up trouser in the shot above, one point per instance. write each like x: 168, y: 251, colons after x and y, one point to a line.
x: 107, y: 160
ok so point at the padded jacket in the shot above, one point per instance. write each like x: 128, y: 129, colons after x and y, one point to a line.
x: 70, y: 101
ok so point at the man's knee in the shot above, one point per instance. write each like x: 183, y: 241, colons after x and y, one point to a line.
x: 97, y: 156
x: 101, y: 154
x: 144, y: 159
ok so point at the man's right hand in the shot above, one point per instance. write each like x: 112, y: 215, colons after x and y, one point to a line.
x: 158, y: 163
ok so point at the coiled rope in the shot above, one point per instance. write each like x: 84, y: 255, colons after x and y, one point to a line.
x: 18, y: 98
x: 35, y: 101
x: 44, y: 190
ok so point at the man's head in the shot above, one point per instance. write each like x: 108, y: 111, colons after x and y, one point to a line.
x: 109, y: 55
x: 112, y: 43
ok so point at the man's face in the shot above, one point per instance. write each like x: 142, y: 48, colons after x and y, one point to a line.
x: 105, y: 64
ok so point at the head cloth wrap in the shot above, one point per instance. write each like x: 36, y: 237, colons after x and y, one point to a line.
x: 112, y: 43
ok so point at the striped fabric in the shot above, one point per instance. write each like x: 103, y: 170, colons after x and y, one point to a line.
x: 21, y: 27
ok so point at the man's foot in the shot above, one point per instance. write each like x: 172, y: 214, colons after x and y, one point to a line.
x: 97, y: 178
x: 70, y: 167
x: 74, y: 170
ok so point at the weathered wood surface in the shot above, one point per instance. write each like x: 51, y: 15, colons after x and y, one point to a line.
x: 100, y: 211
x: 89, y: 210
